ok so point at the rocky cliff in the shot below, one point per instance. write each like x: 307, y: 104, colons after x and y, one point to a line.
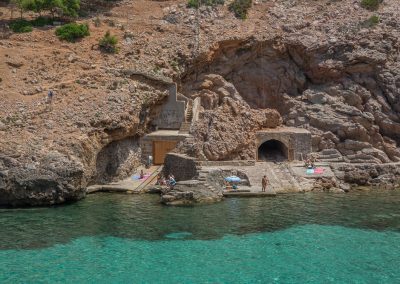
x: 321, y: 65
x: 346, y: 92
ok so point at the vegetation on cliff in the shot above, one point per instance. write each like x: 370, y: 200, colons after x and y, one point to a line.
x: 371, y: 4
x: 108, y: 43
x: 54, y: 7
x: 240, y: 8
x: 72, y: 32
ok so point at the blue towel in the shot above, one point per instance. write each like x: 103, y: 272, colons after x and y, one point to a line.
x: 310, y: 171
x: 135, y: 177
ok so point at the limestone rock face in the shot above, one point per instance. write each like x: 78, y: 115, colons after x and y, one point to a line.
x: 53, y: 161
x: 227, y: 125
x: 345, y: 91
x: 51, y: 180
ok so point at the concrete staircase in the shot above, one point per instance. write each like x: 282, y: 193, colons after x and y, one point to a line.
x: 185, y: 126
x: 203, y: 178
x: 189, y: 112
x: 279, y: 174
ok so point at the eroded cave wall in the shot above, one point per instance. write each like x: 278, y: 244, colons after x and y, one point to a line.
x: 117, y: 160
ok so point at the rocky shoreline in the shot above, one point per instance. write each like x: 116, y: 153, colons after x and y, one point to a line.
x: 315, y: 66
x: 199, y: 186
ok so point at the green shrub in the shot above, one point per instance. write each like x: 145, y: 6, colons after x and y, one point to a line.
x: 59, y: 7
x: 21, y: 26
x: 372, y: 21
x: 108, y: 43
x: 198, y: 3
x: 72, y: 32
x: 41, y: 22
x: 24, y: 26
x: 370, y: 4
x: 240, y: 8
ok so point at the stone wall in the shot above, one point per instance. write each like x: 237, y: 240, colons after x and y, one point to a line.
x: 196, y: 109
x: 301, y: 145
x: 181, y: 166
x: 173, y: 111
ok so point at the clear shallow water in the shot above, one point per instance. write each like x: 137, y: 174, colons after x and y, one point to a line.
x: 303, y: 238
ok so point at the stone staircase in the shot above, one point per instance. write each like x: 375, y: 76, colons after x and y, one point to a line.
x: 203, y: 178
x: 330, y: 156
x: 185, y: 126
x: 189, y: 112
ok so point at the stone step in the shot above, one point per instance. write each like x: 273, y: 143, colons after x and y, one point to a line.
x: 327, y: 157
x: 329, y: 152
x: 333, y: 160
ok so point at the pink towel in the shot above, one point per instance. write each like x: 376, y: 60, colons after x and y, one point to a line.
x: 319, y: 171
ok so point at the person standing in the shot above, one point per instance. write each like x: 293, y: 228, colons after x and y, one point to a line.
x: 264, y: 183
x: 49, y: 101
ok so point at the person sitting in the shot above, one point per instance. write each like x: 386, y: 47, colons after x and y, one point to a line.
x: 159, y: 179
x: 227, y: 185
x: 313, y: 160
x: 141, y: 174
x: 171, y: 181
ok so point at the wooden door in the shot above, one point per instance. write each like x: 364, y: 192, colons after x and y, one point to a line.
x: 160, y: 149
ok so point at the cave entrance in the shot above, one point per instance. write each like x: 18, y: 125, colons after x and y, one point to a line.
x: 117, y: 160
x: 272, y: 150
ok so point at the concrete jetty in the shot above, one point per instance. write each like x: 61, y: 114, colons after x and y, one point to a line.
x: 129, y: 185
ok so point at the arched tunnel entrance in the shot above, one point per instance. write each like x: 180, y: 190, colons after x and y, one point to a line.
x: 272, y: 150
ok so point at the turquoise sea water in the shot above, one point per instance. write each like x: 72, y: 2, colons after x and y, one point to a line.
x: 304, y: 238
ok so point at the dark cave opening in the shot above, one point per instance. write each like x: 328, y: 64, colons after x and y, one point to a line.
x: 272, y: 150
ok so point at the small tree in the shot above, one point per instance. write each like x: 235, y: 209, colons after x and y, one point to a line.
x: 53, y: 6
x: 108, y: 43
x: 71, y: 8
x: 23, y: 5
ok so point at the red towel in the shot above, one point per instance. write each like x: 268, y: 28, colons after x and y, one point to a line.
x: 319, y: 171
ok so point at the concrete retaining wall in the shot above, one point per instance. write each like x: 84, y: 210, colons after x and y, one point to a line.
x: 173, y: 112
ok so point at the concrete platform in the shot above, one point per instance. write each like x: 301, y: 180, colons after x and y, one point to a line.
x: 128, y: 185
x: 249, y: 191
x: 301, y: 171
x: 167, y: 133
x: 233, y: 193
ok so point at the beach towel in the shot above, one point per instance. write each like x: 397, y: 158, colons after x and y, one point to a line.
x: 137, y: 177
x: 319, y: 171
x: 310, y: 171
